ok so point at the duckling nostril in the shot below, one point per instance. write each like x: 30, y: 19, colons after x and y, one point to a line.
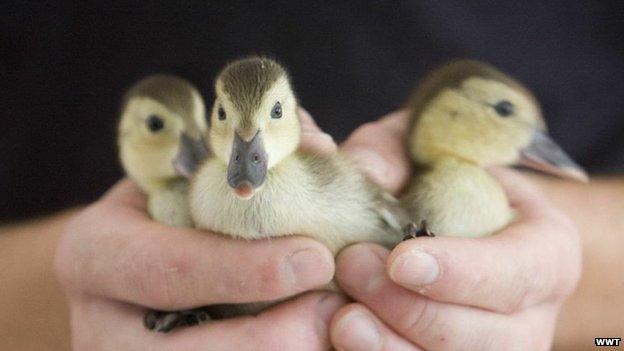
x: 256, y: 158
x: 237, y: 158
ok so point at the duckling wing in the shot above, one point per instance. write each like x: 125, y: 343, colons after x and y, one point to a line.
x: 383, y: 212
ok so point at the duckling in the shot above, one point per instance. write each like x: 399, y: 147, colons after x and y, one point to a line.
x: 466, y: 116
x: 160, y: 143
x: 259, y: 185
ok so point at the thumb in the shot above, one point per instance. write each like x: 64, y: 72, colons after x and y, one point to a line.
x: 378, y: 149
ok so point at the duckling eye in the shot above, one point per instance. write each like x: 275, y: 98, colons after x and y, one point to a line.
x: 221, y: 114
x: 276, y: 112
x: 154, y: 123
x: 504, y: 108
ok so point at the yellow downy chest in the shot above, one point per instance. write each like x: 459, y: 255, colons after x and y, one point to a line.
x: 457, y: 198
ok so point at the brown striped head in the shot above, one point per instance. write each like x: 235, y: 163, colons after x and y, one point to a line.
x: 170, y: 98
x: 254, y: 124
x: 158, y: 113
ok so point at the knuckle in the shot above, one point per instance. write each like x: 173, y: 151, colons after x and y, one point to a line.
x: 253, y: 278
x: 553, y: 273
x: 291, y: 332
x: 165, y: 282
x: 364, y: 132
x: 536, y: 284
x: 160, y: 294
x: 568, y: 253
x: 424, y: 322
x: 153, y: 287
x: 368, y: 128
x: 272, y: 279
x: 71, y: 256
x: 530, y: 287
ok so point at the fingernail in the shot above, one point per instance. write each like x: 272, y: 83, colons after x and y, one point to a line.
x: 308, y: 268
x: 361, y: 270
x: 370, y: 162
x: 415, y: 268
x: 357, y: 331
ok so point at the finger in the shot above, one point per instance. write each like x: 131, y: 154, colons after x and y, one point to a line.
x: 126, y: 192
x: 355, y: 328
x: 536, y: 258
x: 144, y: 262
x: 527, y: 263
x: 307, y: 121
x: 430, y: 324
x: 316, y: 142
x: 378, y: 148
x: 300, y: 324
x: 313, y: 139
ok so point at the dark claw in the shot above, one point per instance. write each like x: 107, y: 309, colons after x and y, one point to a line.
x: 150, y: 319
x: 164, y: 322
x: 196, y: 317
x: 169, y: 321
x: 413, y: 231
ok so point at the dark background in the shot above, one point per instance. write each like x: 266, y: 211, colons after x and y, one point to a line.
x: 65, y: 65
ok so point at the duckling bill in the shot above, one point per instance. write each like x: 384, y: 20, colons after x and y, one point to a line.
x: 466, y: 116
x: 544, y: 155
x: 247, y: 168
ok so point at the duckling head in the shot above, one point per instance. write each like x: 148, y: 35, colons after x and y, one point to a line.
x: 162, y: 119
x: 471, y: 111
x: 254, y: 124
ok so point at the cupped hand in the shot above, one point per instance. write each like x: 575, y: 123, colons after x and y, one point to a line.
x: 501, y: 292
x: 115, y: 263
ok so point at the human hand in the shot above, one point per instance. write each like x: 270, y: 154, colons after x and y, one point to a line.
x: 115, y: 263
x: 501, y: 292
x: 378, y: 148
x: 312, y: 137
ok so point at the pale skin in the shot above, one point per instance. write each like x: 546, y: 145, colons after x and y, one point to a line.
x: 102, y: 320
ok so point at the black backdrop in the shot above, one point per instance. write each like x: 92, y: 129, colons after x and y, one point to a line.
x: 65, y: 65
